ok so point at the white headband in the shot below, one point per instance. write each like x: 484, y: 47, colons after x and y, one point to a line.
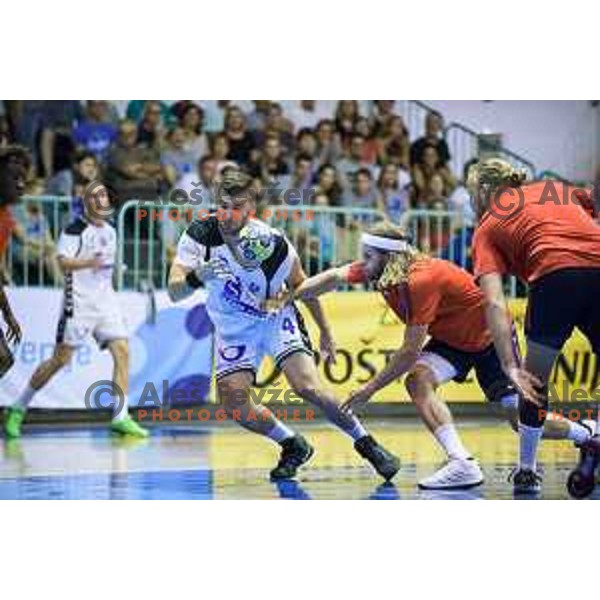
x: 383, y: 243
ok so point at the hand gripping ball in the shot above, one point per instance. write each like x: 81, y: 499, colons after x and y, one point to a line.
x: 256, y: 245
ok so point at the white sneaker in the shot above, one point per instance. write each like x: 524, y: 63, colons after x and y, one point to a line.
x: 456, y: 474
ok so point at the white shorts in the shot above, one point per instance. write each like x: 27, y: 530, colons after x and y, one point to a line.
x: 442, y: 369
x: 280, y: 338
x: 102, y: 326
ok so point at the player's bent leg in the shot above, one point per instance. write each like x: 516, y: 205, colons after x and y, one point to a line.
x: 421, y: 384
x: 61, y: 357
x: 539, y: 361
x: 555, y: 426
x: 234, y: 396
x: 302, y: 375
x: 63, y: 353
x: 122, y: 423
x: 461, y: 471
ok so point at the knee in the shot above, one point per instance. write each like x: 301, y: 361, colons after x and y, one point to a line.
x: 533, y: 415
x: 233, y: 392
x: 306, y: 383
x: 418, y: 383
x: 120, y: 351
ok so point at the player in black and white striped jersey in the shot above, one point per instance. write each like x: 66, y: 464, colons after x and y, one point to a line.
x: 86, y: 251
x: 243, y: 263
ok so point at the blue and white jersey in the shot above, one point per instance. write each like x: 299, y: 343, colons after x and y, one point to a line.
x: 234, y: 302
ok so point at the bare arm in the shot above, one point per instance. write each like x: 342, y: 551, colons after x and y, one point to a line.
x: 178, y: 287
x: 499, y: 322
x: 402, y: 360
x: 400, y: 363
x: 324, y: 282
x: 14, y: 330
x: 498, y: 319
x: 296, y: 280
x: 4, y: 304
x: 184, y: 280
x: 75, y: 264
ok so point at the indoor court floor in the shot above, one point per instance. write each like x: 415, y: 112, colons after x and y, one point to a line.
x: 225, y: 462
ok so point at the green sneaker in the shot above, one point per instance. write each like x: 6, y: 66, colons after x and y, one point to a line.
x: 129, y: 427
x: 13, y: 420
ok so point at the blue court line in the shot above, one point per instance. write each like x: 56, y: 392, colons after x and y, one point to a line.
x: 143, y: 485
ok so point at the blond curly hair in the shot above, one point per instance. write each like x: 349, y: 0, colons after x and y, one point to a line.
x: 495, y: 173
x: 398, y: 266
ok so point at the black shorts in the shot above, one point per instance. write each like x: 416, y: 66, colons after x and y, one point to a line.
x: 490, y: 376
x: 559, y: 302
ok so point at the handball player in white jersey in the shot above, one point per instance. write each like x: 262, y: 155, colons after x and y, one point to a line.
x: 242, y: 262
x: 86, y: 252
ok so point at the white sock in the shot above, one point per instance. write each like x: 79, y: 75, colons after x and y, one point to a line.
x: 529, y: 438
x: 593, y: 425
x: 358, y: 431
x: 280, y: 432
x: 598, y: 424
x: 578, y: 433
x: 449, y: 440
x: 24, y: 400
x: 121, y: 412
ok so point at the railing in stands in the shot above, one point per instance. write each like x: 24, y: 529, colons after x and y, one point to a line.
x: 447, y: 235
x: 148, y: 236
x: 414, y: 113
x: 464, y: 145
x: 30, y: 257
x: 323, y: 237
x: 462, y: 141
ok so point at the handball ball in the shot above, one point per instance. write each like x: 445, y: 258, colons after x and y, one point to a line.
x: 256, y: 245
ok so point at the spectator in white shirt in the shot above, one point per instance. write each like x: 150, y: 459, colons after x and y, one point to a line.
x: 308, y: 113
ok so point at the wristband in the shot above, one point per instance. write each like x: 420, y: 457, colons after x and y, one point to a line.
x: 193, y: 280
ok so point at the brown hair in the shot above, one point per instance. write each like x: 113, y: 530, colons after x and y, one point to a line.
x: 398, y: 266
x: 234, y: 181
x: 17, y: 153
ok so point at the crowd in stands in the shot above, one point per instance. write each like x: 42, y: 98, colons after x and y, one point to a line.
x: 344, y: 153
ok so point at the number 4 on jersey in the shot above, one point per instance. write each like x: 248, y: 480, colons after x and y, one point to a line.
x: 288, y: 325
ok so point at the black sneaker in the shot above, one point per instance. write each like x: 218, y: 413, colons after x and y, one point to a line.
x: 582, y: 480
x: 525, y: 481
x: 295, y: 451
x: 385, y: 463
x: 592, y: 445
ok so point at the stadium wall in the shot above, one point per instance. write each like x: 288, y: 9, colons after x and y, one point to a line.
x: 171, y: 356
x: 171, y: 344
x: 557, y: 135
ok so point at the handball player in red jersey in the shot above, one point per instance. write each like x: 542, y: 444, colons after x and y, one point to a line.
x: 438, y: 299
x: 539, y: 232
x: 433, y: 298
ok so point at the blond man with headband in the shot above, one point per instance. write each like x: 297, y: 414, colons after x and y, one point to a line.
x: 539, y: 232
x: 435, y: 298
